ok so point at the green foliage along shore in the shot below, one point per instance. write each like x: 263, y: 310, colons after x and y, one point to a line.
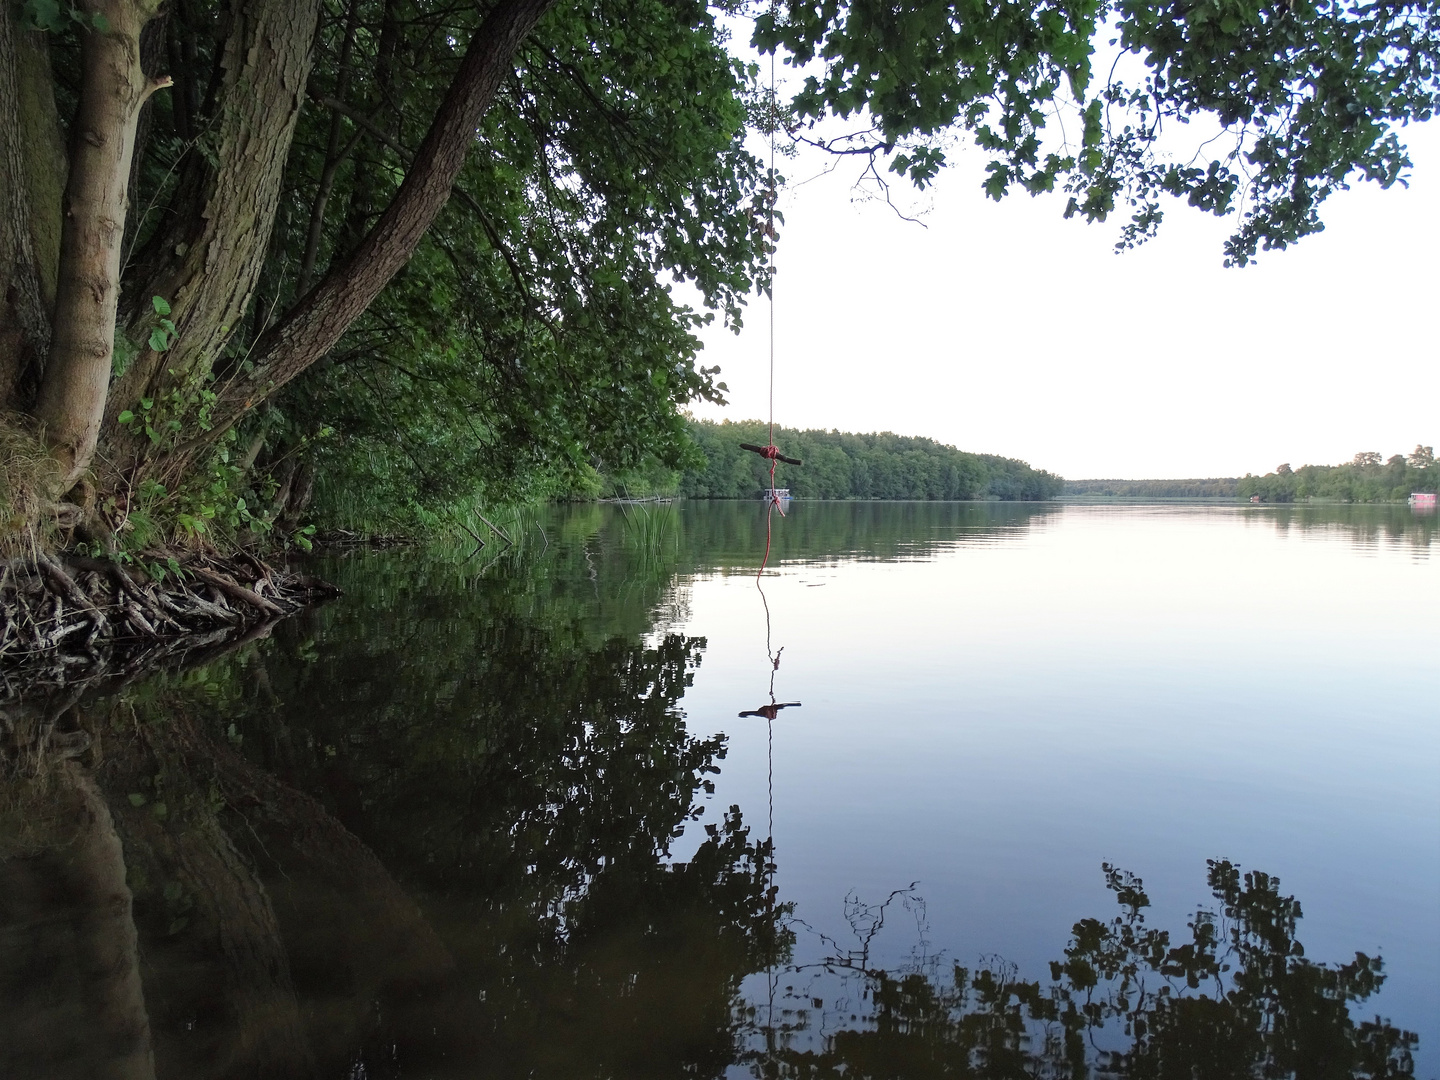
x: 841, y: 465
x: 1365, y: 478
x: 1219, y: 487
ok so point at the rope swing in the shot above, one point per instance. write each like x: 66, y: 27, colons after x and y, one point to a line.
x: 770, y: 451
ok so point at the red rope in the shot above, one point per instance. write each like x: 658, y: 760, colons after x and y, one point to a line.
x: 766, y: 559
x: 770, y: 451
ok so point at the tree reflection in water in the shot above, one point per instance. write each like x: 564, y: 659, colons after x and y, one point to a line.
x: 1236, y: 1001
x: 481, y: 889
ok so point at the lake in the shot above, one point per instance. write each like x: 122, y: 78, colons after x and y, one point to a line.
x: 950, y: 789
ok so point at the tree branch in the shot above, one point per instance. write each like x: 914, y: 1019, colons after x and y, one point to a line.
x: 313, y: 326
x: 458, y: 192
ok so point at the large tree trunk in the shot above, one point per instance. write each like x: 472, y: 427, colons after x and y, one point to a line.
x: 112, y: 90
x: 313, y: 326
x: 207, y: 258
x: 32, y: 176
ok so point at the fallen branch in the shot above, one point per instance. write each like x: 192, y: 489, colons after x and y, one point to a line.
x: 236, y: 591
x: 493, y: 528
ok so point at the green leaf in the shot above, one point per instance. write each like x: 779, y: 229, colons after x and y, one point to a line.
x: 126, y: 417
x: 137, y: 799
x: 160, y: 304
x: 158, y: 340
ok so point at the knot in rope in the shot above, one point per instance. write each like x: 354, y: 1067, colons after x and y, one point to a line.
x: 770, y: 453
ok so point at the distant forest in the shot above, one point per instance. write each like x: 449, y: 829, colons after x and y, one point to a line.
x: 1225, y: 487
x: 840, y: 465
x: 1365, y: 478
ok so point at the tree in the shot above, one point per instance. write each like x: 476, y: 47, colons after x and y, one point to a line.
x: 1284, y: 470
x: 312, y: 161
x: 842, y: 465
x: 1362, y: 479
x: 1422, y: 457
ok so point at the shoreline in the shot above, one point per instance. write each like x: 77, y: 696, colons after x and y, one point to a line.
x: 69, y: 622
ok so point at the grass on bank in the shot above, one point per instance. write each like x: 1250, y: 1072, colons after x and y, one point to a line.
x: 28, y: 477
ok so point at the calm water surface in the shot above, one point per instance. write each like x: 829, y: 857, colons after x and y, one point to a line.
x: 502, y: 814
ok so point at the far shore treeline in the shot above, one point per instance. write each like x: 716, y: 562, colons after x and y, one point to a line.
x: 1365, y: 478
x: 1222, y: 487
x: 838, y: 465
x: 846, y: 465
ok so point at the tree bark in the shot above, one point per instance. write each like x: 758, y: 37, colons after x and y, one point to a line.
x: 112, y: 90
x: 154, y: 49
x: 207, y: 261
x: 32, y: 176
x: 313, y: 326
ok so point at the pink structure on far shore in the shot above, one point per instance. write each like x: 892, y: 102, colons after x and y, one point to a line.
x: 1423, y: 498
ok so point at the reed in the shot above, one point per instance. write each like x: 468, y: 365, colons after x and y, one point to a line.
x: 652, y: 530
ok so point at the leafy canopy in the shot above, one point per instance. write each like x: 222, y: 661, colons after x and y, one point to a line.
x: 1303, y: 97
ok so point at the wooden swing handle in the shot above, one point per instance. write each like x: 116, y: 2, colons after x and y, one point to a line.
x: 769, y: 453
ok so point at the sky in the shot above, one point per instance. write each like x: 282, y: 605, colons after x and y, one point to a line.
x: 1002, y: 328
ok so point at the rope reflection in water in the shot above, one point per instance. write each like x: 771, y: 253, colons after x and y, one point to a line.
x: 770, y: 712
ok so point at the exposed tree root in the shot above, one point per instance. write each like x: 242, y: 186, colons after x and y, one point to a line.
x: 67, y: 621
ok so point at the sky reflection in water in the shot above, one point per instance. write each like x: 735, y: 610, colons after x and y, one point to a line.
x: 1147, y: 686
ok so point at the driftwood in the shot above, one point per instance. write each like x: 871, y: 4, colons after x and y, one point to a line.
x: 67, y: 620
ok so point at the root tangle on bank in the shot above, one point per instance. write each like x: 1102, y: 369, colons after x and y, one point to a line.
x: 66, y: 619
